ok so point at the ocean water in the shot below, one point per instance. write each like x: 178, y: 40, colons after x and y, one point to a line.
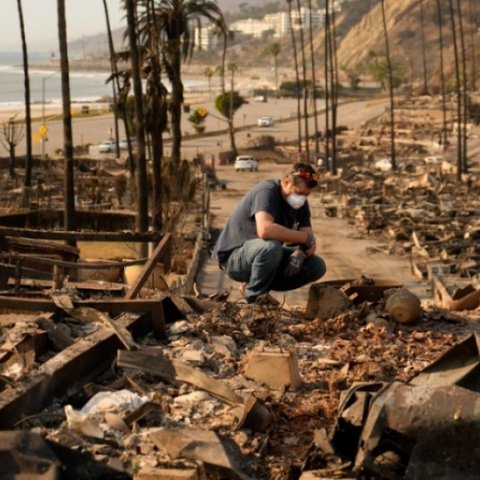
x: 45, y: 83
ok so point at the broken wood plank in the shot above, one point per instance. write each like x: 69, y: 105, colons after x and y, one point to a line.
x: 172, y: 371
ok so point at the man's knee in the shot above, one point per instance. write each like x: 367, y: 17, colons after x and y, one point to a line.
x: 317, y: 267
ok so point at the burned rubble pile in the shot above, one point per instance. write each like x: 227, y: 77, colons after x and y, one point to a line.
x: 421, y: 210
x: 230, y: 391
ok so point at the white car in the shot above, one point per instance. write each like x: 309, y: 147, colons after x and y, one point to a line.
x: 246, y: 162
x: 265, y: 121
x: 107, y: 146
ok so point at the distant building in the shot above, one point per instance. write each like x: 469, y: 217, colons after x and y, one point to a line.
x: 253, y: 27
x: 205, y: 38
x: 279, y: 23
x: 275, y: 24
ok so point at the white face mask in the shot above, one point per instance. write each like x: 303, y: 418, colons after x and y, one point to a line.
x: 296, y: 201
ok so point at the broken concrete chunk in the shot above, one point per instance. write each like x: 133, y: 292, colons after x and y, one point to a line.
x: 325, y: 302
x: 220, y: 454
x: 275, y: 368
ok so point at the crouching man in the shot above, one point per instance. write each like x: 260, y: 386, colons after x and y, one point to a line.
x: 268, y: 242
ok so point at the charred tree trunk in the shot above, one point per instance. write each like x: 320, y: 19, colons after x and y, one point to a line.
x: 141, y: 170
x: 334, y: 89
x: 297, y: 79
x: 458, y: 92
x: 69, y: 189
x: 444, y: 135
x: 424, y: 50
x: 327, y: 82
x: 473, y: 31
x: 390, y: 81
x: 28, y: 114
x: 314, y: 79
x: 157, y: 120
x: 464, y: 77
x: 305, y: 90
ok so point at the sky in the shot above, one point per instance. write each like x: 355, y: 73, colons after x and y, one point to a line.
x: 84, y: 17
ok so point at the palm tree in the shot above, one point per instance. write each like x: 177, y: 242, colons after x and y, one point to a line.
x: 274, y: 50
x: 208, y: 72
x: 69, y: 189
x: 141, y: 170
x: 28, y: 115
x: 391, y: 86
x: 297, y: 78
x: 176, y: 20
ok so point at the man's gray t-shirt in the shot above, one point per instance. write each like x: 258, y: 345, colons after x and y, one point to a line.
x: 267, y: 197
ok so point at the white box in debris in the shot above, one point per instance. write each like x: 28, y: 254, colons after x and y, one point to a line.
x: 276, y: 368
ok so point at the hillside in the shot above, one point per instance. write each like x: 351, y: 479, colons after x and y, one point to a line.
x: 360, y: 35
x: 405, y: 36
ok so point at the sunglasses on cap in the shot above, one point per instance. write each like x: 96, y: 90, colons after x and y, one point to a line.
x: 311, y: 178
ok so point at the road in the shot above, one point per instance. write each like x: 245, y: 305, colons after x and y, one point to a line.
x: 93, y: 130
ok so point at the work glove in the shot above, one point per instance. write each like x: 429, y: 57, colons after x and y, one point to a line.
x: 309, y: 243
x: 295, y: 263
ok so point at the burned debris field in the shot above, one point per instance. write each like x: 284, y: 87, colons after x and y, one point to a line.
x: 121, y: 368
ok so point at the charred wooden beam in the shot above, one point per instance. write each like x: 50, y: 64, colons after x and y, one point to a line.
x: 75, y: 365
x: 152, y: 236
x: 154, y: 307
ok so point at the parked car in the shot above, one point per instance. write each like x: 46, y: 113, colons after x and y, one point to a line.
x: 246, y: 162
x: 265, y: 121
x: 107, y: 146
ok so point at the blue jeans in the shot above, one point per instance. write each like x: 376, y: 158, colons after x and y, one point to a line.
x: 261, y: 264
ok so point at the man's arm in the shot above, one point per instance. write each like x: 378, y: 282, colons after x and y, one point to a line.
x: 267, y: 229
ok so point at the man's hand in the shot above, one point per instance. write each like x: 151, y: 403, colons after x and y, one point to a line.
x: 295, y: 263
